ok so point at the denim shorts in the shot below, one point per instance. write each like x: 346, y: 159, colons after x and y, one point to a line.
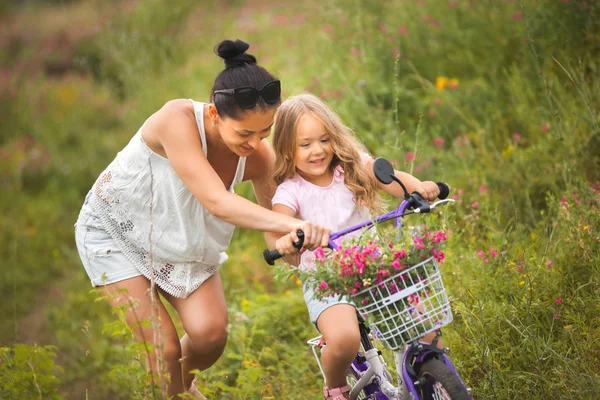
x: 101, y: 257
x: 316, y: 307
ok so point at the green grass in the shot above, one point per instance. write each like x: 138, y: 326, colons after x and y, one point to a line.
x: 516, y: 136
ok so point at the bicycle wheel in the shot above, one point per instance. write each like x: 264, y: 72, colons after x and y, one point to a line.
x: 440, y: 382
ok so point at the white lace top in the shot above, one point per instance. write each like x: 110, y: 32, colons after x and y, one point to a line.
x: 156, y: 221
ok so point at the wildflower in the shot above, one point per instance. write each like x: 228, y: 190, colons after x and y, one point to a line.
x: 298, y: 282
x: 403, y: 30
x: 357, y: 284
x: 461, y: 192
x: 280, y: 20
x: 586, y: 227
x: 545, y: 127
x: 453, y: 83
x: 320, y: 254
x: 439, y: 142
x: 353, y: 291
x: 548, y: 264
x: 556, y: 315
x: 396, y: 264
x: 507, y: 151
x: 475, y: 205
x: 441, y: 82
x: 323, y: 285
x: 410, y: 157
x: 327, y: 28
x: 481, y: 253
x: 493, y: 252
x: 354, y: 52
x: 516, y: 136
x: 517, y: 16
x: 559, y: 300
x: 482, y: 189
x: 563, y: 201
x: 365, y: 301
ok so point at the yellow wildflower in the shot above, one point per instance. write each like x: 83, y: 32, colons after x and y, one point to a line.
x: 507, y: 151
x: 585, y: 228
x: 441, y: 82
x: 298, y: 282
x: 522, y: 283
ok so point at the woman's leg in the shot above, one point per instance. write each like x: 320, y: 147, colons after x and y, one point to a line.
x: 134, y: 293
x: 339, y: 327
x: 204, y: 318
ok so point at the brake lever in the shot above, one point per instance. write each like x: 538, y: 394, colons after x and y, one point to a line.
x: 432, y: 206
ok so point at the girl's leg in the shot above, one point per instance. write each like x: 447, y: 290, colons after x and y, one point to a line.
x: 339, y: 327
x: 204, y: 318
x: 134, y: 293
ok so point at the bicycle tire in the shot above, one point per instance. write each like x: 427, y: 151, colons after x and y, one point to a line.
x: 441, y: 383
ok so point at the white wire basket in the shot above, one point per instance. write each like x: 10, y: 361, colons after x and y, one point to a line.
x: 407, y: 305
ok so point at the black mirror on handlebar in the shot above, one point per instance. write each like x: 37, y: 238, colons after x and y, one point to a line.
x: 384, y: 171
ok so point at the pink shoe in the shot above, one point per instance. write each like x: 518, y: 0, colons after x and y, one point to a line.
x: 194, y: 390
x: 336, y: 393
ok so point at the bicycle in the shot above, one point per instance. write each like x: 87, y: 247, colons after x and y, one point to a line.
x: 424, y: 371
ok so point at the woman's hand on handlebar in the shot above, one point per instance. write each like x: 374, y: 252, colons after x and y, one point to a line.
x: 315, y: 235
x: 429, y: 190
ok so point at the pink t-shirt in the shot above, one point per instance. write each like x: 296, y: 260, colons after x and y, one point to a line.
x: 332, y: 206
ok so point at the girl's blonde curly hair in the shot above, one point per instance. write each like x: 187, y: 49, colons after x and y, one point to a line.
x: 346, y: 148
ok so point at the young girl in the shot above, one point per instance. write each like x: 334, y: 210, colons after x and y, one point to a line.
x: 325, y: 175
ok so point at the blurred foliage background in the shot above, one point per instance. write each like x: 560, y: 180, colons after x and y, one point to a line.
x: 497, y: 98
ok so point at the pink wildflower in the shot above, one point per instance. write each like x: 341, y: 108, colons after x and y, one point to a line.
x: 403, y: 30
x: 396, y: 264
x: 493, y: 252
x: 559, y: 300
x: 439, y: 142
x: 439, y: 237
x: 563, y: 201
x: 517, y: 16
x: 545, y: 127
x: 548, y: 264
x: 327, y: 28
x: 410, y: 157
x: 516, y: 136
x: 438, y: 255
x: 556, y: 315
x: 365, y: 301
x: 358, y: 284
x: 481, y: 253
x: 482, y: 189
x: 400, y: 254
x: 461, y: 192
x: 324, y: 285
x: 475, y: 205
x: 353, y: 291
x: 320, y: 254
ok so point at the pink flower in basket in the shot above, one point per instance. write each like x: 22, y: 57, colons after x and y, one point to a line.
x: 375, y: 264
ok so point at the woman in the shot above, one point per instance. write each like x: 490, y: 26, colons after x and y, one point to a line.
x: 164, y: 211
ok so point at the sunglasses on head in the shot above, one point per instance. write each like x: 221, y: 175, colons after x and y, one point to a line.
x: 247, y: 97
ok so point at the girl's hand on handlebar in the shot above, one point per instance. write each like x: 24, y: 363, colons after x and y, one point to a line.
x: 315, y: 235
x: 429, y: 190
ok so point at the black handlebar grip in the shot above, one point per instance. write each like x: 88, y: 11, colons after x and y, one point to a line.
x: 272, y: 255
x: 444, y: 190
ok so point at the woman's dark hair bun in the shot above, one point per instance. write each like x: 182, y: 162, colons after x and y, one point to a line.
x: 234, y: 53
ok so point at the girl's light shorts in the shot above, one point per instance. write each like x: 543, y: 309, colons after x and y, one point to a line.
x: 316, y: 307
x: 102, y: 259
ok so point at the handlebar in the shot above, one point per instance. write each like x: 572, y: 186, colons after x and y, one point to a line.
x: 272, y: 255
x: 414, y: 201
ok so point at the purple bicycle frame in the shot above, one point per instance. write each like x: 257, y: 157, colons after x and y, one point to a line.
x: 397, y: 213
